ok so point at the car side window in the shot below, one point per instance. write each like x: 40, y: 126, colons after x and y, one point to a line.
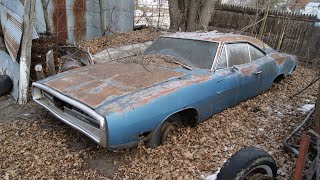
x: 237, y: 54
x: 255, y: 53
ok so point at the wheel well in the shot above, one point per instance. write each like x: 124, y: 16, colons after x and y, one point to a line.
x: 279, y: 78
x: 189, y: 117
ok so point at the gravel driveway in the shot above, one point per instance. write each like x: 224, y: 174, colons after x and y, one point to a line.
x: 33, y: 144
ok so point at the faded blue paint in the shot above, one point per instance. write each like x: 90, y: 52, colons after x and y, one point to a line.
x: 209, y: 93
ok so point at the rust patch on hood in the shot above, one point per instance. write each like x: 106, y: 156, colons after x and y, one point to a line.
x: 145, y: 96
x: 175, y: 86
x: 97, y: 84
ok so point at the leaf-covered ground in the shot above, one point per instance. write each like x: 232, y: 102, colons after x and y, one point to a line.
x: 33, y: 144
x: 119, y: 39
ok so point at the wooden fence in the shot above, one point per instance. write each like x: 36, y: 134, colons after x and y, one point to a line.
x: 292, y: 33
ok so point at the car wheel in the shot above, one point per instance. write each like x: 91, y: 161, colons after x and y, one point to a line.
x: 167, y: 128
x: 5, y: 85
x: 249, y: 164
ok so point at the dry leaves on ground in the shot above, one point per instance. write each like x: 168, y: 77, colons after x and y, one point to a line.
x: 119, y: 39
x: 41, y: 146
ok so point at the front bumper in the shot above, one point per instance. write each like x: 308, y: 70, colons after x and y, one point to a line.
x: 97, y: 133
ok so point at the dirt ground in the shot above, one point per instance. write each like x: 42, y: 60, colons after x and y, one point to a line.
x: 34, y: 144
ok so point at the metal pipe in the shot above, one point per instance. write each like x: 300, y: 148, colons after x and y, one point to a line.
x: 303, y: 154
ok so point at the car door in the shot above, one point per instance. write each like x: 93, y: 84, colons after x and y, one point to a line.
x: 247, y: 73
x: 225, y: 84
x: 267, y: 69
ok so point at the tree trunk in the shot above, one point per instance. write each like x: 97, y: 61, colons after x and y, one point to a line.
x: 190, y: 15
x: 45, y: 4
x: 193, y: 15
x: 175, y: 15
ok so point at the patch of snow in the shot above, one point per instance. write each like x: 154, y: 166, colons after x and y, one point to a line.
x: 306, y: 108
x: 138, y: 12
x: 213, y: 176
x: 281, y: 171
x: 279, y: 113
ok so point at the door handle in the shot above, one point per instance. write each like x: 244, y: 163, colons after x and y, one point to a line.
x: 258, y: 72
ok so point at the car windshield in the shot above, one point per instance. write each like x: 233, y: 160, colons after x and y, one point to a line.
x: 194, y: 53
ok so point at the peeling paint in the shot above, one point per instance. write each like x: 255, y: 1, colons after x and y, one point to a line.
x: 248, y: 70
x: 278, y: 58
x: 104, y: 82
x: 59, y: 19
x: 80, y: 25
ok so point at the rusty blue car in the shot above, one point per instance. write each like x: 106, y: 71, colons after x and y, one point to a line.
x: 182, y: 79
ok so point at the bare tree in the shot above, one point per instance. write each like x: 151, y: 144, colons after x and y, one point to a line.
x: 190, y: 15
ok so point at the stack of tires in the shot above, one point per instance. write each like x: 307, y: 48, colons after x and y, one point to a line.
x: 5, y: 85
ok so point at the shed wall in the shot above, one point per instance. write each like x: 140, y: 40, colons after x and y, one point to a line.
x: 76, y: 20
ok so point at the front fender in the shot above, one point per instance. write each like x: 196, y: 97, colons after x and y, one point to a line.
x: 131, y: 117
x: 128, y: 127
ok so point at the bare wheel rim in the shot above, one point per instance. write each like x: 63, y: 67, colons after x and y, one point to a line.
x: 168, y: 130
x: 262, y: 172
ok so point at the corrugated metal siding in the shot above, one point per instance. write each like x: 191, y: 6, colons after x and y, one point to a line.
x: 80, y: 19
x: 11, y: 24
x: 17, y: 7
x: 12, y: 69
x: 119, y: 15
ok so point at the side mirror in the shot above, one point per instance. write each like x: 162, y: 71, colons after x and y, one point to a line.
x: 234, y: 68
x: 214, y: 69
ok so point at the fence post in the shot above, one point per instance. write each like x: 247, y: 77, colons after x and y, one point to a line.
x: 263, y: 26
x: 25, y: 58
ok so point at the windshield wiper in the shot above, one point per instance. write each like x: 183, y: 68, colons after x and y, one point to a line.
x: 183, y: 65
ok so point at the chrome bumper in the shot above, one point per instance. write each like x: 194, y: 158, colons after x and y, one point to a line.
x: 99, y: 135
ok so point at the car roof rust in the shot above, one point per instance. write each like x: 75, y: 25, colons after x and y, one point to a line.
x: 218, y: 37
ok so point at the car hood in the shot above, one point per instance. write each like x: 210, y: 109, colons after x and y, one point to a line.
x: 102, y: 83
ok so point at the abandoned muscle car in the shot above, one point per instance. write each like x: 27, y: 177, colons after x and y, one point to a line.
x: 121, y: 103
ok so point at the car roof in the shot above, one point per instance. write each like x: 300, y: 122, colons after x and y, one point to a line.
x: 215, y: 36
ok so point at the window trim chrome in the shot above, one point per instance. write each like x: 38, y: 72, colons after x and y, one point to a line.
x: 37, y: 97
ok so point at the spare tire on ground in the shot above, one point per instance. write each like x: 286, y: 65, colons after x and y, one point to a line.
x: 5, y: 85
x: 249, y: 163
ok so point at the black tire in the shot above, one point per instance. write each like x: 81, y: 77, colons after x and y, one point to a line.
x: 173, y: 123
x: 5, y: 85
x: 249, y: 163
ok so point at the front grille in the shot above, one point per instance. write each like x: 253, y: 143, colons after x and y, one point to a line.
x: 70, y: 110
